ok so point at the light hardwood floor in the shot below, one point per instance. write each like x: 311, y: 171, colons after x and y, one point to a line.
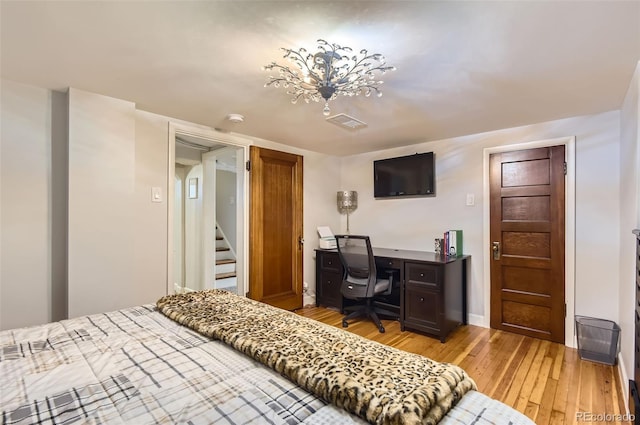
x: 546, y: 381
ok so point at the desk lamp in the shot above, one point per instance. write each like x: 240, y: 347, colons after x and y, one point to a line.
x: 347, y: 202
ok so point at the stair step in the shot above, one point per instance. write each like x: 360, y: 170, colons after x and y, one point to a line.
x: 225, y: 275
x: 221, y: 248
x: 230, y: 284
x: 222, y: 255
x: 226, y: 268
x: 226, y: 261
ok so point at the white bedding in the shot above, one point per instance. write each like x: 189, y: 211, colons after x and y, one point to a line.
x: 135, y: 366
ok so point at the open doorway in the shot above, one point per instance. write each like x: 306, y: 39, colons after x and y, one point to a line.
x: 206, y: 229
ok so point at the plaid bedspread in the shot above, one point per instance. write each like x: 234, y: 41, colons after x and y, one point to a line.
x: 378, y: 383
x: 136, y: 366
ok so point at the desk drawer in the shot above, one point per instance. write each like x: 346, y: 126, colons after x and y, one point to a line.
x: 423, y: 309
x: 328, y: 288
x: 330, y: 262
x: 383, y: 263
x: 424, y: 275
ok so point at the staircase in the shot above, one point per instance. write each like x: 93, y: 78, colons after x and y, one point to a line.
x: 225, y: 264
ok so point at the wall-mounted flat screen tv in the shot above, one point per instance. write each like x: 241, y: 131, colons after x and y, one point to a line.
x: 411, y: 175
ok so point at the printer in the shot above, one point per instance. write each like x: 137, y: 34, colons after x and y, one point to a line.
x: 327, y: 240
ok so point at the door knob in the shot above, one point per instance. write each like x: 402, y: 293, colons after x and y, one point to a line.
x: 495, y: 247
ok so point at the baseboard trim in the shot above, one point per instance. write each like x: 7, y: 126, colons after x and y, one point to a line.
x: 308, y: 300
x: 624, y: 382
x: 182, y: 290
x: 476, y: 320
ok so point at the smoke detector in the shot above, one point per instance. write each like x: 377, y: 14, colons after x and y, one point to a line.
x: 347, y: 122
x: 235, y: 118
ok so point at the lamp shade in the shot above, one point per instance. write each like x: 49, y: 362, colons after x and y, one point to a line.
x: 347, y: 200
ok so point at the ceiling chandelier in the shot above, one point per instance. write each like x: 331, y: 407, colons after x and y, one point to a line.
x: 334, y: 70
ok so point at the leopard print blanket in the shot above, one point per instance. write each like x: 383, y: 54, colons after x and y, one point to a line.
x: 380, y: 384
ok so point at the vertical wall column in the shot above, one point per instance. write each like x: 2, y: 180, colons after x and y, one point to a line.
x: 25, y: 199
x: 101, y: 238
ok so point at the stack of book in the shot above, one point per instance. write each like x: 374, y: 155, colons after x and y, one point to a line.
x: 452, y: 243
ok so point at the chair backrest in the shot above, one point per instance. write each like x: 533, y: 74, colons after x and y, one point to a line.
x: 359, y: 265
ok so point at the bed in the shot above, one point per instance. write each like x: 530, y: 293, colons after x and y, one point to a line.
x: 213, y: 357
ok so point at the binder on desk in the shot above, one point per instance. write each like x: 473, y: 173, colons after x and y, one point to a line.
x: 453, y: 242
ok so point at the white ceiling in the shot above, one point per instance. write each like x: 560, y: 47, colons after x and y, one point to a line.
x: 462, y: 67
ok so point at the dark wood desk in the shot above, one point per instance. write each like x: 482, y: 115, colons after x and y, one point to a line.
x: 432, y: 295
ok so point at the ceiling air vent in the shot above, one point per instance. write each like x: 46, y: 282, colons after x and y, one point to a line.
x: 346, y: 122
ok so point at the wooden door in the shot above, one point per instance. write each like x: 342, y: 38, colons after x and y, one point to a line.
x: 527, y: 202
x: 275, y: 228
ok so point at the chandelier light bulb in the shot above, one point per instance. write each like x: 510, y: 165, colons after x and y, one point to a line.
x: 332, y: 71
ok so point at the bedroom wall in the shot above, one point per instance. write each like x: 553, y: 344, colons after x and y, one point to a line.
x: 25, y: 205
x: 101, y: 193
x: 414, y: 223
x: 33, y: 253
x: 117, y: 238
x: 150, y: 239
x: 629, y: 217
x: 410, y: 223
x: 321, y: 181
x: 34, y: 203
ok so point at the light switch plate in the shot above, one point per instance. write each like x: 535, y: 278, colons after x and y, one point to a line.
x: 471, y: 199
x: 156, y: 194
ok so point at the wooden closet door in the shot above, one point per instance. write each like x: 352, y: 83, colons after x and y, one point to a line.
x: 275, y: 228
x: 527, y: 202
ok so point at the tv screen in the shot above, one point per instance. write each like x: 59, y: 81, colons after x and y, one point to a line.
x: 411, y: 175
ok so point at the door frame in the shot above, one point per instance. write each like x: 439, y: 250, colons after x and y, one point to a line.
x: 209, y: 210
x: 570, y: 228
x: 211, y: 135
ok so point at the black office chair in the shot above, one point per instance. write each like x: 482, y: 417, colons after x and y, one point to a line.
x: 360, y: 281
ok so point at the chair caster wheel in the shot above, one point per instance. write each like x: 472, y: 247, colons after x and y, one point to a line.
x: 381, y: 329
x: 344, y: 324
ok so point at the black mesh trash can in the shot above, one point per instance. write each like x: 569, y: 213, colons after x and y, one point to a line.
x: 598, y: 339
